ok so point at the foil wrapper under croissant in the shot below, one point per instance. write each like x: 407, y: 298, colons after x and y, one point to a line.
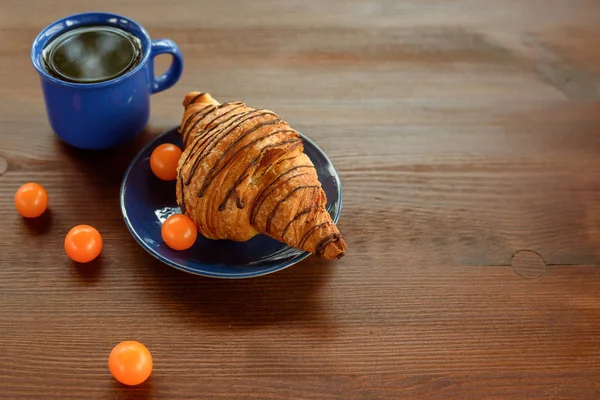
x: 243, y: 172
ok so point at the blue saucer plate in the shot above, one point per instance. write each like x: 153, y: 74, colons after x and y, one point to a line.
x: 146, y: 202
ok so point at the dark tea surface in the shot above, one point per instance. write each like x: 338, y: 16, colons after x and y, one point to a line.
x: 92, y: 54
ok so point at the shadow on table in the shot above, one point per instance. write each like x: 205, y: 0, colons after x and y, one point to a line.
x: 295, y: 295
x: 139, y: 392
x: 40, y: 225
x: 89, y: 273
x: 105, y: 168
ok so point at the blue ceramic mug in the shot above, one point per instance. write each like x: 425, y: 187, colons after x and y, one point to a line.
x: 104, y: 114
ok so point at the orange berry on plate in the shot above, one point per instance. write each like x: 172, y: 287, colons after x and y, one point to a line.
x: 31, y: 200
x: 164, y: 160
x: 179, y: 232
x: 130, y: 362
x: 83, y: 243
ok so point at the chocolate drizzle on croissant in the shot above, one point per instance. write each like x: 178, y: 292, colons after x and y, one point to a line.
x: 243, y: 172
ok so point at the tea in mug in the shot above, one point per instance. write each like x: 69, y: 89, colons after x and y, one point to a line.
x: 92, y: 54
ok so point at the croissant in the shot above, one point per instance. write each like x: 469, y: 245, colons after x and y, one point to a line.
x: 243, y: 172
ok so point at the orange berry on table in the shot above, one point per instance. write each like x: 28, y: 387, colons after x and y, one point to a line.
x: 164, y: 160
x: 83, y: 243
x: 130, y: 362
x: 179, y: 232
x: 31, y: 200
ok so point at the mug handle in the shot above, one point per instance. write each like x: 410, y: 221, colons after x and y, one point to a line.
x: 169, y: 78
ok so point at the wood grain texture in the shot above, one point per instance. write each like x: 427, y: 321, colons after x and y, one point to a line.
x: 466, y: 136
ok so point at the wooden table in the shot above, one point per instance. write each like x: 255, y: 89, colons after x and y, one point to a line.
x: 466, y: 134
